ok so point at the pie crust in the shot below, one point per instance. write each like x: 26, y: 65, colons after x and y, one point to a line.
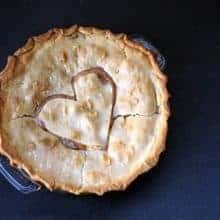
x: 83, y: 110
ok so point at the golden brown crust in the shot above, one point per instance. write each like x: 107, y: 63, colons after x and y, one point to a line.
x: 21, y: 57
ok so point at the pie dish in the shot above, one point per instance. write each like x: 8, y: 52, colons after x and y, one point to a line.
x: 83, y: 110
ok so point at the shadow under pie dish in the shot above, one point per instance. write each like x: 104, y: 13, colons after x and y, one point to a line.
x: 83, y: 110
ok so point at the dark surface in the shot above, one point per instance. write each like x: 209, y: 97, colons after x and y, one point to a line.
x: 185, y: 184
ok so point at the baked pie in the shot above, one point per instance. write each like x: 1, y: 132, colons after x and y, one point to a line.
x: 83, y: 110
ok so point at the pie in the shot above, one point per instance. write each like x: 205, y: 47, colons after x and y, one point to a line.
x: 83, y: 110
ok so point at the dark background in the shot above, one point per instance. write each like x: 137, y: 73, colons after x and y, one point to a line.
x: 185, y: 184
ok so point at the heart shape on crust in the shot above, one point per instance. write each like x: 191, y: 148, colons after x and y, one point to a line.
x: 81, y: 121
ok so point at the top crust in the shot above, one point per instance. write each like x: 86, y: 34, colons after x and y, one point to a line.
x: 44, y: 67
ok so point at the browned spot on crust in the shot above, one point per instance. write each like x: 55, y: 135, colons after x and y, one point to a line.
x: 49, y: 142
x: 78, y: 161
x: 31, y: 146
x: 105, y: 159
x: 95, y: 176
x: 64, y: 56
x: 76, y: 134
